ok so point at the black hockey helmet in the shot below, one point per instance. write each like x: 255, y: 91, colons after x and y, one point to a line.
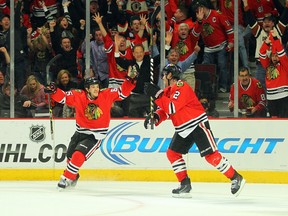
x: 91, y: 81
x: 174, y: 69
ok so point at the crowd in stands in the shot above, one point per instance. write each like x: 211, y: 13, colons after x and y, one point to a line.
x: 124, y: 38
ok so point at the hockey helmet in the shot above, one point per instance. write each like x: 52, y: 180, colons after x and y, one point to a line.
x: 90, y: 81
x: 175, y: 70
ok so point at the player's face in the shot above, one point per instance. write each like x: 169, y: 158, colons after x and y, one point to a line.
x: 244, y: 77
x: 93, y: 91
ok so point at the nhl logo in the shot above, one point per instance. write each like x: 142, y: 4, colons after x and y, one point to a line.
x: 37, y: 133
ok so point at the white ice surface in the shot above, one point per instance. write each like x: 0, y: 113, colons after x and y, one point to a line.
x: 91, y: 198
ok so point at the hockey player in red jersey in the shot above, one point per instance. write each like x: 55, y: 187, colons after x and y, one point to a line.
x: 92, y: 120
x: 179, y: 103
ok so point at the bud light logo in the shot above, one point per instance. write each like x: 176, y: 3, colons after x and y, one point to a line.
x: 121, y: 141
x: 108, y: 145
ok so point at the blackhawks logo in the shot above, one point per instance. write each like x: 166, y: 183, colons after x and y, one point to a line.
x: 207, y: 29
x: 37, y: 133
x: 272, y: 72
x: 246, y: 101
x: 182, y: 48
x: 93, y: 112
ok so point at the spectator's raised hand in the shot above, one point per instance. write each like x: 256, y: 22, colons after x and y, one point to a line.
x: 97, y: 18
x: 143, y: 19
x: 3, y: 49
x: 42, y: 4
x: 82, y: 23
x: 29, y: 31
x: 197, y: 48
x: 66, y: 3
x: 168, y: 38
x: 200, y: 14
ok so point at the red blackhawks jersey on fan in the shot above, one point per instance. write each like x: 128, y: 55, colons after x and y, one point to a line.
x: 117, y: 74
x: 37, y: 10
x: 93, y: 116
x: 276, y: 75
x: 180, y: 104
x: 252, y: 96
x: 216, y: 31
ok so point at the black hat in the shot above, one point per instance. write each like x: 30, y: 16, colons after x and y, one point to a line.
x: 4, y: 15
x: 269, y: 17
x: 199, y: 3
x: 135, y: 17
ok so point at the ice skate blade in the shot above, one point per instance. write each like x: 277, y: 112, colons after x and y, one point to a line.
x: 182, y: 195
x: 241, y: 187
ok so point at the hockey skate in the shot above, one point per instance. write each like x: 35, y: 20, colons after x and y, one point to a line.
x: 74, y: 182
x: 237, y: 185
x: 64, y: 183
x: 183, y: 191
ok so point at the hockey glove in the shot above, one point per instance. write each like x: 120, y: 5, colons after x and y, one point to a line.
x: 51, y: 88
x: 132, y: 74
x: 152, y: 90
x: 147, y: 121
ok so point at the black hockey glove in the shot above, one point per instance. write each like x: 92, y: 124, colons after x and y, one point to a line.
x: 51, y: 88
x: 147, y: 121
x: 152, y: 90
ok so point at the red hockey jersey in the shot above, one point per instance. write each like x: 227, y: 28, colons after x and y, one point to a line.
x: 93, y: 116
x: 117, y: 74
x: 216, y: 31
x: 181, y: 105
x: 276, y: 75
x: 252, y: 96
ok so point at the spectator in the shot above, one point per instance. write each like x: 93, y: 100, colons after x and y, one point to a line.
x: 67, y: 60
x: 64, y: 83
x: 227, y: 8
x: 34, y: 91
x: 251, y: 95
x: 276, y: 66
x: 262, y: 32
x: 179, y: 103
x: 99, y: 58
x: 139, y: 103
x: 20, y: 43
x: 22, y: 104
x: 186, y: 44
x: 40, y: 52
x: 218, y: 37
x: 117, y: 73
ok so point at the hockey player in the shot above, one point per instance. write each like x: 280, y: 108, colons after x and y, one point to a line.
x: 179, y: 103
x: 92, y: 120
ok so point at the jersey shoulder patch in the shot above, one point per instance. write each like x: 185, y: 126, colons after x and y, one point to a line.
x: 180, y: 83
x: 78, y: 90
x: 259, y: 85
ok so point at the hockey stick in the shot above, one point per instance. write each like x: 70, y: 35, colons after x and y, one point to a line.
x: 49, y: 79
x: 152, y: 21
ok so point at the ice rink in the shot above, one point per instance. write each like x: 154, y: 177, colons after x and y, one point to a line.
x: 91, y: 198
